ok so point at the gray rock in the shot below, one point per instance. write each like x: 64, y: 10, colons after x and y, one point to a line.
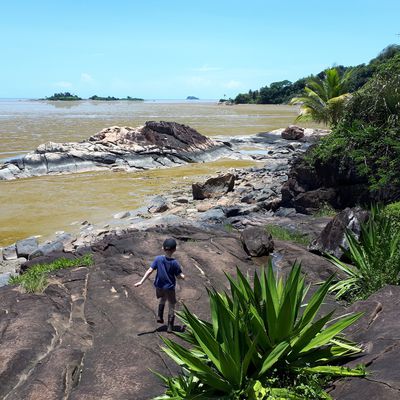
x: 214, y: 215
x: 10, y: 253
x: 284, y: 212
x: 26, y: 247
x: 332, y: 239
x: 48, y: 248
x: 158, y: 204
x: 257, y: 242
x: 122, y: 215
x: 213, y: 187
x: 4, y: 277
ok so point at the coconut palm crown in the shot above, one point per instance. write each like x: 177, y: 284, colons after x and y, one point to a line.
x: 325, y: 98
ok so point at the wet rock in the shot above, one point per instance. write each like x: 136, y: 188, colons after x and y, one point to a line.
x: 292, y: 132
x: 213, y: 187
x: 257, y: 242
x: 26, y: 247
x: 332, y: 239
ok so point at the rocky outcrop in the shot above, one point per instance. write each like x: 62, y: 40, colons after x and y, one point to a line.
x: 213, y: 187
x: 154, y: 145
x: 335, y: 182
x: 332, y: 239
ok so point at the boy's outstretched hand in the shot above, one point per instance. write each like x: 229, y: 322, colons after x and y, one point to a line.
x: 138, y: 284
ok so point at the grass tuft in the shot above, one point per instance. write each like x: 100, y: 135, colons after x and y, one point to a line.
x: 34, y: 280
x: 280, y: 233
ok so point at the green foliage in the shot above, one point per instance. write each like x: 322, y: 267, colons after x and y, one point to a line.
x: 281, y: 233
x: 259, y: 342
x: 67, y: 96
x: 375, y: 258
x: 392, y: 211
x: 368, y: 135
x: 112, y: 98
x: 34, y: 280
x: 284, y: 91
x: 325, y: 98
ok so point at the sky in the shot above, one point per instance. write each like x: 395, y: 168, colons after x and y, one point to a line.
x: 171, y: 49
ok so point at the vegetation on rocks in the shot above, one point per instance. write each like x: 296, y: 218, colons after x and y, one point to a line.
x: 34, y: 280
x: 262, y: 342
x: 375, y: 257
x: 281, y: 233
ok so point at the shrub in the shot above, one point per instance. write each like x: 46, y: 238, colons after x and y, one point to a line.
x: 375, y: 258
x: 35, y: 278
x: 259, y: 343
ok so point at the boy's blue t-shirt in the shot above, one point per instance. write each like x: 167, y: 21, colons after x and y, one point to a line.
x: 167, y: 271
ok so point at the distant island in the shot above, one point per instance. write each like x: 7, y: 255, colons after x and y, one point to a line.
x: 192, y: 98
x: 67, y: 96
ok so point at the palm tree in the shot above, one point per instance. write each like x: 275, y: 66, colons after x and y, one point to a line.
x: 325, y: 98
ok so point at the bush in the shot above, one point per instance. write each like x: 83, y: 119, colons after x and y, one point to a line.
x: 34, y: 280
x: 375, y: 257
x: 260, y: 342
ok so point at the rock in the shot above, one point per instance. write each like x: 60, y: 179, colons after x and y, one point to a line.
x: 311, y: 201
x: 214, y: 215
x: 46, y: 259
x: 284, y: 212
x: 204, y: 206
x: 213, y: 187
x: 292, y: 132
x: 122, y: 215
x: 154, y: 145
x: 48, y: 248
x: 158, y: 204
x: 26, y: 247
x: 377, y: 332
x: 257, y: 241
x: 332, y: 239
x: 10, y: 253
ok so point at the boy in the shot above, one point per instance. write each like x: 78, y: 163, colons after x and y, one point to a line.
x: 167, y: 270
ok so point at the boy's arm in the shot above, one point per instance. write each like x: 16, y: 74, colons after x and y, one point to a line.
x: 145, y: 276
x: 181, y: 276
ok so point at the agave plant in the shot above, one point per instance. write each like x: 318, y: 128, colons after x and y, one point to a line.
x: 375, y: 258
x: 324, y: 99
x: 260, y: 331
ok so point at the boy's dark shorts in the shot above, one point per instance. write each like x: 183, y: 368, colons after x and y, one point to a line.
x: 167, y: 295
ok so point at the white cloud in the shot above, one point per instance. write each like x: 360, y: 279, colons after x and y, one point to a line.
x: 196, y: 81
x: 63, y: 84
x: 233, y: 85
x: 87, y: 78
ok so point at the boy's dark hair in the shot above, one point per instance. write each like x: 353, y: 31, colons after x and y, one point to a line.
x: 169, y: 244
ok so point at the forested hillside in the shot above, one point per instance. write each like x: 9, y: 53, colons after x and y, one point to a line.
x: 284, y: 91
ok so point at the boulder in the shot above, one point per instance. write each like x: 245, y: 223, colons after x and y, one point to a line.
x: 257, y: 242
x: 158, y: 204
x: 26, y: 247
x: 48, y: 248
x: 213, y: 187
x: 292, y: 132
x: 332, y: 239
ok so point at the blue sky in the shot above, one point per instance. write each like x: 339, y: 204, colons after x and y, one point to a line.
x: 172, y: 49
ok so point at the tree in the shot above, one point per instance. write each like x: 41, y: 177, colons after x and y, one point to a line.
x: 324, y: 98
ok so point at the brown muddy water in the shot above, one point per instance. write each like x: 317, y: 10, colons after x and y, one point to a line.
x: 43, y: 205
